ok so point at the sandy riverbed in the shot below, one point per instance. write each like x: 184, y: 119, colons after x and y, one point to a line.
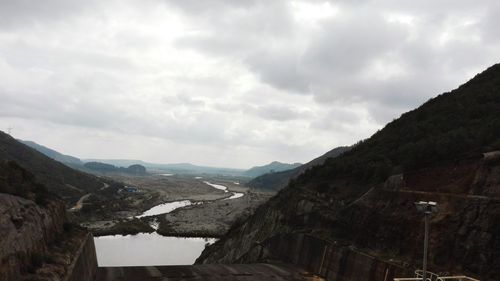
x: 212, y: 218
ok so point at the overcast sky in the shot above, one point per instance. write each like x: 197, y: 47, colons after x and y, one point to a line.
x: 229, y: 83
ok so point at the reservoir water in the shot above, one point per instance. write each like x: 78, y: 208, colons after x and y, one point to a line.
x: 146, y: 249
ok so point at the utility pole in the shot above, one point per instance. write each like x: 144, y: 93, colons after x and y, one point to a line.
x: 9, y: 130
x: 427, y: 208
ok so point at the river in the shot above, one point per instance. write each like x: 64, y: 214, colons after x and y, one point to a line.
x: 145, y: 249
x: 165, y: 208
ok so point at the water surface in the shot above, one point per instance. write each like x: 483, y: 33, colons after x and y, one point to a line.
x: 235, y: 195
x: 165, y: 208
x: 146, y: 249
x: 218, y: 186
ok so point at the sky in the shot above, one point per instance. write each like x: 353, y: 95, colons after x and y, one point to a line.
x: 229, y: 83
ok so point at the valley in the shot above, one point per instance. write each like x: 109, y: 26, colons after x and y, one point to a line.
x: 209, y: 211
x: 348, y: 215
x: 136, y: 223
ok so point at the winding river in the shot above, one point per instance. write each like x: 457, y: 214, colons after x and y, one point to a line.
x: 147, y: 249
x: 165, y: 208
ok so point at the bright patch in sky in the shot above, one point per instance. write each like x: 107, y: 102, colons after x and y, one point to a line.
x: 303, y: 11
x: 229, y: 83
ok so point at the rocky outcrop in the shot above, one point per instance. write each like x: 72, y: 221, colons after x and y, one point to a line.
x: 381, y: 228
x: 27, y: 230
x: 37, y: 242
x: 362, y: 201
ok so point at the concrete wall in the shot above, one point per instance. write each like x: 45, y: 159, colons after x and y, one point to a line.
x: 84, y: 266
x: 331, y: 261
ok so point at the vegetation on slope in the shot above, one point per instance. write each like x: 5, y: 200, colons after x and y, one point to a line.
x: 66, y: 159
x: 277, y: 181
x: 272, y: 167
x: 135, y: 169
x: 460, y: 124
x: 57, y: 177
x: 352, y: 202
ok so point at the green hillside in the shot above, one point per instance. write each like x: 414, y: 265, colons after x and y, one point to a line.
x: 57, y: 177
x: 272, y: 167
x: 277, y: 181
x: 460, y: 124
x: 66, y: 159
x: 360, y: 205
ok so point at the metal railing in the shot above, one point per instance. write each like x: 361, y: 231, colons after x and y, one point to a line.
x: 430, y: 276
x: 456, y: 278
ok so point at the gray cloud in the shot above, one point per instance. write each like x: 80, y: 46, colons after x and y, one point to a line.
x: 26, y: 13
x: 244, y: 82
x: 336, y: 61
x: 277, y: 112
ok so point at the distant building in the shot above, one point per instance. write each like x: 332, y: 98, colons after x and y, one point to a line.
x: 130, y: 189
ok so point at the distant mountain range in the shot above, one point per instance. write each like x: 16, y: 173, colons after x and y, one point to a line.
x: 270, y: 168
x: 176, y: 168
x: 58, y: 178
x: 104, y: 168
x: 278, y: 180
x: 67, y: 159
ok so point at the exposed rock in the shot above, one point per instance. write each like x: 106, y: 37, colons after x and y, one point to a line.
x: 210, y: 219
x: 37, y: 243
x: 384, y: 224
x: 365, y: 217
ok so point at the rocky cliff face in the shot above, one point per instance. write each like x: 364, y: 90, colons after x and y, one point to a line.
x: 36, y: 241
x: 382, y: 224
x: 360, y: 205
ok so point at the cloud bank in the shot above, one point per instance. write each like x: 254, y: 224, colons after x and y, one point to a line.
x: 229, y: 83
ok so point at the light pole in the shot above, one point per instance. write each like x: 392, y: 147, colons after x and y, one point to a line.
x: 427, y: 208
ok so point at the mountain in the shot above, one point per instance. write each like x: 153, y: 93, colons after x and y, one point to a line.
x: 277, y: 181
x: 99, y: 167
x: 272, y: 167
x: 66, y: 159
x: 57, y: 177
x: 176, y: 168
x: 353, y: 217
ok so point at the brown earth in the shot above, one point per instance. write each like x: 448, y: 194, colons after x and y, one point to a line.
x: 111, y: 214
x: 211, y: 219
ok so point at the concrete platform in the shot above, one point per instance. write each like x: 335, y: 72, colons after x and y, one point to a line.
x: 212, y: 272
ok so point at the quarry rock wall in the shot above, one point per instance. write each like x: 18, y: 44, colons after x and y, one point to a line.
x: 379, y: 234
x: 37, y: 242
x: 26, y: 230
